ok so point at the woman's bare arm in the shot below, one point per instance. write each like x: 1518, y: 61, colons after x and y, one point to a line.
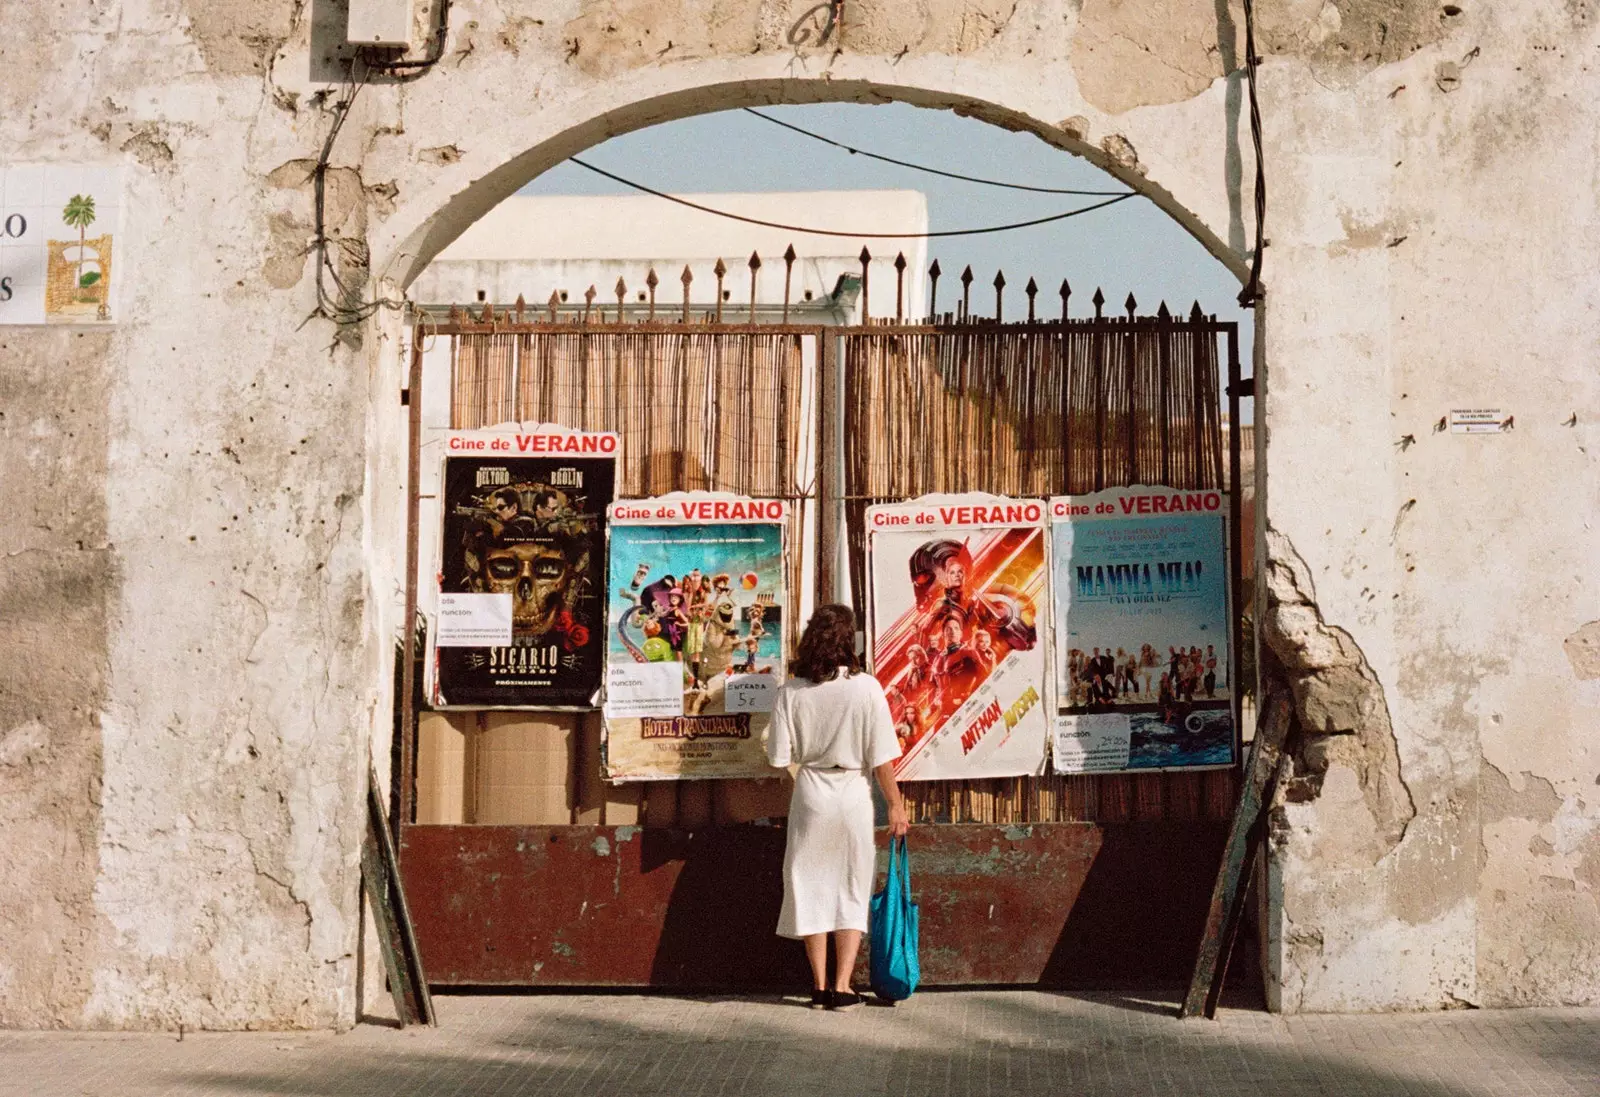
x: 899, y: 821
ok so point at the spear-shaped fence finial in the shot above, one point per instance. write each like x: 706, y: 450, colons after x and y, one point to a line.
x: 788, y: 275
x: 1066, y: 295
x: 933, y: 288
x: 900, y: 287
x: 686, y: 277
x: 755, y: 265
x: 1099, y: 300
x: 1032, y: 290
x: 622, y: 293
x: 719, y: 270
x: 966, y: 293
x: 1130, y: 304
x: 999, y: 294
x: 866, y: 261
x: 651, y: 281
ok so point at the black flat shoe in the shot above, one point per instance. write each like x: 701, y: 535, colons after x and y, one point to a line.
x: 821, y: 999
x: 843, y: 1001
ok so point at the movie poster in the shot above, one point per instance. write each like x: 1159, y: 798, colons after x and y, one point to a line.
x: 519, y: 622
x: 1141, y: 652
x: 957, y: 633
x: 695, y: 635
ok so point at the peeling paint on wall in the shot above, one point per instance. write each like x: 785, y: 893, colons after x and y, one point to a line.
x: 1341, y: 712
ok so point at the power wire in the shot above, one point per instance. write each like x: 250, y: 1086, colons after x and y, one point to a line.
x: 1252, y: 289
x: 1120, y: 197
x: 923, y: 167
x: 338, y: 309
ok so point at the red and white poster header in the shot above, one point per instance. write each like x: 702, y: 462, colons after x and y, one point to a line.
x: 939, y: 512
x: 696, y: 508
x: 1138, y: 501
x: 540, y: 440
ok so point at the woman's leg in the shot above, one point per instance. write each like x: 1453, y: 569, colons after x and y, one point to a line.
x: 817, y: 955
x: 846, y: 943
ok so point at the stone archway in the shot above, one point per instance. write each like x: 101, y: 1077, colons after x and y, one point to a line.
x: 480, y: 167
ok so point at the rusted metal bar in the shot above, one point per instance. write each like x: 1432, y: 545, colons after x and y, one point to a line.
x: 900, y: 288
x: 386, y: 895
x: 408, y: 652
x: 830, y: 466
x: 1163, y: 402
x: 588, y: 302
x: 1236, y: 535
x: 866, y: 263
x: 1233, y: 877
x: 1099, y: 402
x: 755, y: 265
x: 466, y: 325
x: 788, y: 277
x: 1132, y: 442
x: 521, y: 308
x: 552, y: 304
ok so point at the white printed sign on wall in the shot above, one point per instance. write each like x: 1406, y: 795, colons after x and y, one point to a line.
x: 59, y: 230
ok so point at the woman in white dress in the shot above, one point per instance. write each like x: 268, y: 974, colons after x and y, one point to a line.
x: 832, y: 721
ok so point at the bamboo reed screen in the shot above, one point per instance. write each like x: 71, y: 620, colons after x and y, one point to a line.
x: 1035, y: 411
x: 697, y: 410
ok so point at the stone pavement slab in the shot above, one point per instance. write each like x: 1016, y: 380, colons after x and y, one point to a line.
x: 956, y: 1043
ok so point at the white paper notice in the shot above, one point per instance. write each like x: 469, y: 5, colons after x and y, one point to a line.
x: 750, y: 693
x: 474, y: 621
x: 644, y: 689
x: 1092, y: 743
x: 1478, y: 421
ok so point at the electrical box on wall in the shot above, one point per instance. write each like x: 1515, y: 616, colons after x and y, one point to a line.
x: 380, y: 23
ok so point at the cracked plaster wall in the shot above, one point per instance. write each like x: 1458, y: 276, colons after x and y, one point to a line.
x: 235, y: 605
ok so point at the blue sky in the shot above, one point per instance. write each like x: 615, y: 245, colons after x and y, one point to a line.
x: 1131, y: 246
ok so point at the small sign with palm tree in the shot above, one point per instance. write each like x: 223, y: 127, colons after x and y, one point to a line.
x: 79, y: 214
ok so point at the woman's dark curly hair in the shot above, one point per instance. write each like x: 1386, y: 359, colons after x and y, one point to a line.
x: 828, y: 643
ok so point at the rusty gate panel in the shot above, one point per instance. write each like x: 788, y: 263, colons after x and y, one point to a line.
x: 1058, y: 904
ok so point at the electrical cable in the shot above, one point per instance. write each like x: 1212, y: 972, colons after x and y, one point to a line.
x: 1121, y: 197
x: 329, y: 307
x: 923, y: 167
x: 1252, y: 289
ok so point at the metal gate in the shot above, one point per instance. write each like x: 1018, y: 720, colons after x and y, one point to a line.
x: 1081, y: 880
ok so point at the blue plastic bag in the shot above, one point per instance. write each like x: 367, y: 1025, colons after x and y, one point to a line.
x: 892, y: 931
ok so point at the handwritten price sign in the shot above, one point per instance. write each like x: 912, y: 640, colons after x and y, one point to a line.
x: 749, y: 693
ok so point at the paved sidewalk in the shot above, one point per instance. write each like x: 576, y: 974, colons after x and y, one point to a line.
x: 967, y: 1043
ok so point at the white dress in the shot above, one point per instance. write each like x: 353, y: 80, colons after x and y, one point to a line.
x: 837, y: 732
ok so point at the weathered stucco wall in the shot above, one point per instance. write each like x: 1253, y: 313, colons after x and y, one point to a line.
x: 223, y: 527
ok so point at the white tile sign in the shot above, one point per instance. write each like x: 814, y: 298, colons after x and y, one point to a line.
x: 59, y: 231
